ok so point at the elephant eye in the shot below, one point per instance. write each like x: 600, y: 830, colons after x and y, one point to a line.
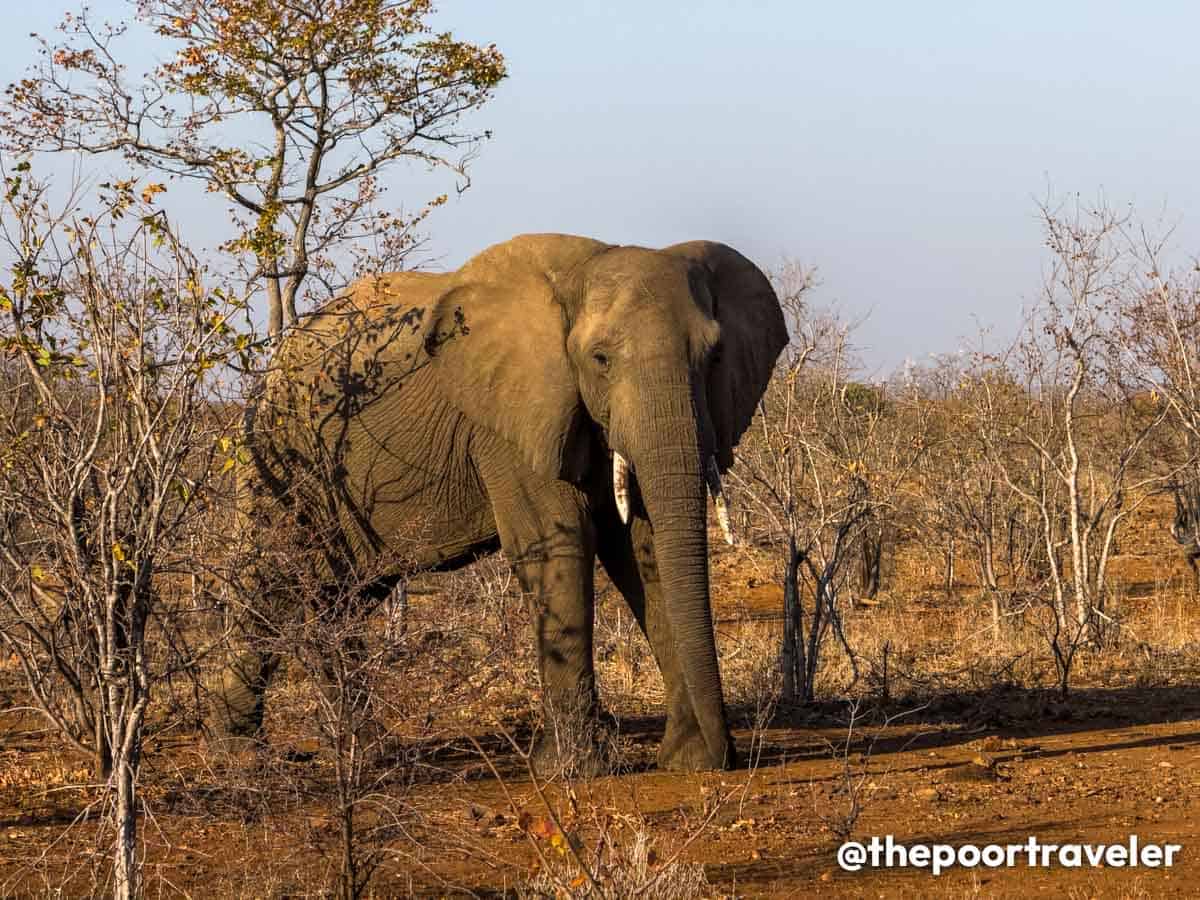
x: 601, y: 359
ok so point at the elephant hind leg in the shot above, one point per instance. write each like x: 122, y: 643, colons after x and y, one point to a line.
x: 235, y: 695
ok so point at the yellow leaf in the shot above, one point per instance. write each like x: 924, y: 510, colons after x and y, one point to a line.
x: 118, y: 552
x: 226, y: 466
x: 38, y: 573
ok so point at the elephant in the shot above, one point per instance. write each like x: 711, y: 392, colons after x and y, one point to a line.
x: 561, y: 398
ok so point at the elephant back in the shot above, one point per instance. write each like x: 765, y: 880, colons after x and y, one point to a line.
x: 323, y: 430
x: 553, y: 257
x: 356, y: 346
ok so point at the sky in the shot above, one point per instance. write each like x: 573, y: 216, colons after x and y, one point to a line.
x: 900, y: 148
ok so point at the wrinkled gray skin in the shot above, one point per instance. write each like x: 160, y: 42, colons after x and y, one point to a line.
x: 487, y: 403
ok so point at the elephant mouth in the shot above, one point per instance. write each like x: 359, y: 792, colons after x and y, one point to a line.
x: 624, y: 481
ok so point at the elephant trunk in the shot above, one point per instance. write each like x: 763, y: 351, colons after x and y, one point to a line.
x: 673, y: 484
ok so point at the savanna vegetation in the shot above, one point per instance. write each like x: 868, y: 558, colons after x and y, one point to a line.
x: 960, y: 603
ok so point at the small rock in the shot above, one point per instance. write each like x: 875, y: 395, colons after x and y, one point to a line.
x: 972, y: 771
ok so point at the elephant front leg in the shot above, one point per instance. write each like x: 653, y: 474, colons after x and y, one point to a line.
x: 628, y: 557
x: 548, y: 536
x: 560, y: 591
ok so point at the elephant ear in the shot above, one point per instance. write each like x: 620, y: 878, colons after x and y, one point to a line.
x: 498, y: 341
x: 753, y: 334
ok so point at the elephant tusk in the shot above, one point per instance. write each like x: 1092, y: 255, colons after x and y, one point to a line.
x: 713, y: 476
x: 621, y: 485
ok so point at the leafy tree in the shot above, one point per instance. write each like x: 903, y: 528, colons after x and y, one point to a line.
x: 339, y: 89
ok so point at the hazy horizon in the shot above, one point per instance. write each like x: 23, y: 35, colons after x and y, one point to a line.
x: 901, y: 151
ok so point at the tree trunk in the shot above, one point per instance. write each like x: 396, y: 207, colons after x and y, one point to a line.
x: 987, y: 574
x: 792, y: 656
x: 823, y: 600
x: 348, y: 879
x: 872, y: 561
x: 126, y: 873
x: 102, y: 760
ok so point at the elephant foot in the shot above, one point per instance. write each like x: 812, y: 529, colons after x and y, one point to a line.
x: 232, y: 730
x: 684, y: 749
x: 226, y: 725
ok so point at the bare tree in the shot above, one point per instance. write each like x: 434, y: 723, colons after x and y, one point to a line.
x: 1071, y: 441
x: 820, y: 463
x: 337, y: 643
x: 113, y: 458
x: 965, y: 498
x: 1163, y: 335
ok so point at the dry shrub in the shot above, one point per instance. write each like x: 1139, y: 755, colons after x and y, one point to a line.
x: 627, y: 674
x: 750, y: 672
x: 627, y: 864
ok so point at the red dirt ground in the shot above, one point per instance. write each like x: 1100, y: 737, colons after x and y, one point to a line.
x: 996, y: 764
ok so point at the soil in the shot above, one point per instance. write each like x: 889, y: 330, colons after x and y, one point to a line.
x: 991, y: 765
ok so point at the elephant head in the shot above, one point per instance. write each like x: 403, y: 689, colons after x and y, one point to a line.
x: 662, y: 354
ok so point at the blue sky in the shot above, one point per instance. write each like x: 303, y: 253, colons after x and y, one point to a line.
x: 900, y: 148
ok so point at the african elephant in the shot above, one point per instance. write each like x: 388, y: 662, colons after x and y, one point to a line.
x: 570, y: 398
